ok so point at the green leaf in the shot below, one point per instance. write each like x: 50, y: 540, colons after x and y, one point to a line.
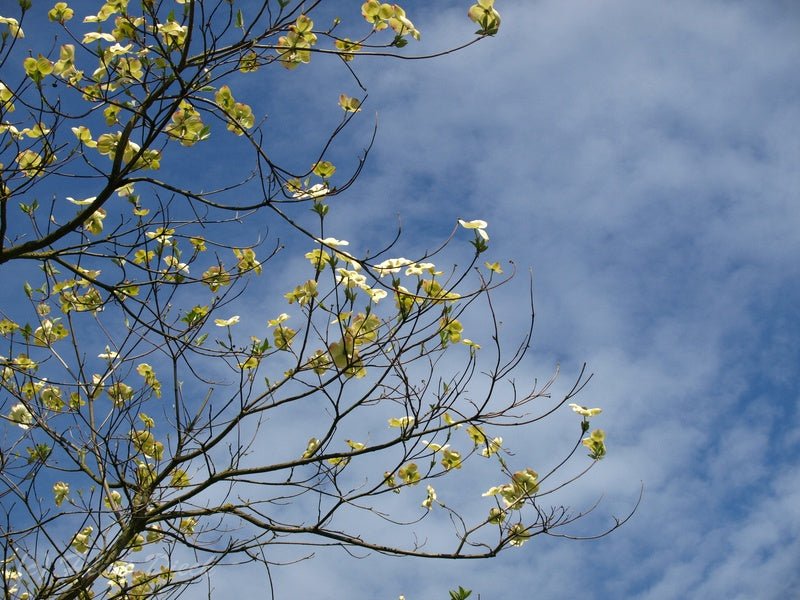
x: 460, y: 594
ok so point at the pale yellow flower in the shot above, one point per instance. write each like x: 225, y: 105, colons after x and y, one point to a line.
x: 108, y: 354
x: 82, y: 540
x: 174, y: 263
x: 278, y: 320
x: 94, y: 36
x: 60, y: 492
x: 391, y: 265
x: 331, y: 241
x: 402, y: 422
x: 375, y: 295
x: 585, y: 412
x: 83, y: 202
x: 493, y: 447
x: 315, y: 191
x: 430, y: 498
x: 227, y: 322
x: 21, y: 416
x: 478, y: 225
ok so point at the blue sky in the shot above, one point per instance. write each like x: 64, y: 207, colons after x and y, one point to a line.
x: 640, y: 158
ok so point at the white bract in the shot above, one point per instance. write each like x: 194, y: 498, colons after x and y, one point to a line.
x: 477, y: 225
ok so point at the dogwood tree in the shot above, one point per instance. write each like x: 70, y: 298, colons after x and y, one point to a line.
x: 155, y: 426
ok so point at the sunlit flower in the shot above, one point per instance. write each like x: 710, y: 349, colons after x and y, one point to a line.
x: 188, y: 525
x: 161, y: 235
x: 478, y: 225
x: 495, y: 267
x: 83, y: 202
x: 20, y: 415
x: 376, y: 295
x: 409, y: 473
x: 112, y: 501
x: 420, y: 268
x: 82, y: 540
x: 523, y: 485
x: 585, y: 412
x: 472, y: 345
x: 402, y: 422
x: 302, y: 294
x: 596, y: 444
x: 450, y: 459
x: 117, y: 49
x: 311, y: 447
x: 431, y: 497
x: 60, y: 492
x: 10, y: 575
x: 355, y: 445
x: 318, y: 258
x: 278, y: 320
x: 13, y: 27
x: 449, y: 420
x: 94, y: 36
x: 391, y: 265
x: 247, y: 260
x: 496, y: 515
x: 350, y: 278
x: 108, y: 354
x: 349, y: 104
x: 476, y: 434
x: 492, y: 447
x: 118, y: 575
x: 227, y: 322
x: 174, y: 263
x: 315, y: 191
x: 519, y: 534
x: 330, y: 241
x: 485, y: 16
x: 433, y: 446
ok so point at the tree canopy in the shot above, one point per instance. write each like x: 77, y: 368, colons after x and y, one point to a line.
x: 138, y: 385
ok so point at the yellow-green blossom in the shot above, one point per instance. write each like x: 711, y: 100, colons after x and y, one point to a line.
x: 478, y: 225
x: 450, y: 459
x: 13, y: 27
x: 409, y: 473
x: 311, y: 448
x: 485, y: 16
x: 20, y: 415
x: 430, y: 498
x: 227, y: 322
x: 82, y: 540
x: 596, y: 444
x: 492, y: 447
x: 60, y: 492
x: 402, y: 422
x: 60, y: 12
x: 391, y: 265
x: 188, y: 525
x: 518, y: 535
x: 584, y: 411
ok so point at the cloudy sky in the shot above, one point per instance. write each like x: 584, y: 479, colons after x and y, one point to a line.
x: 641, y: 159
